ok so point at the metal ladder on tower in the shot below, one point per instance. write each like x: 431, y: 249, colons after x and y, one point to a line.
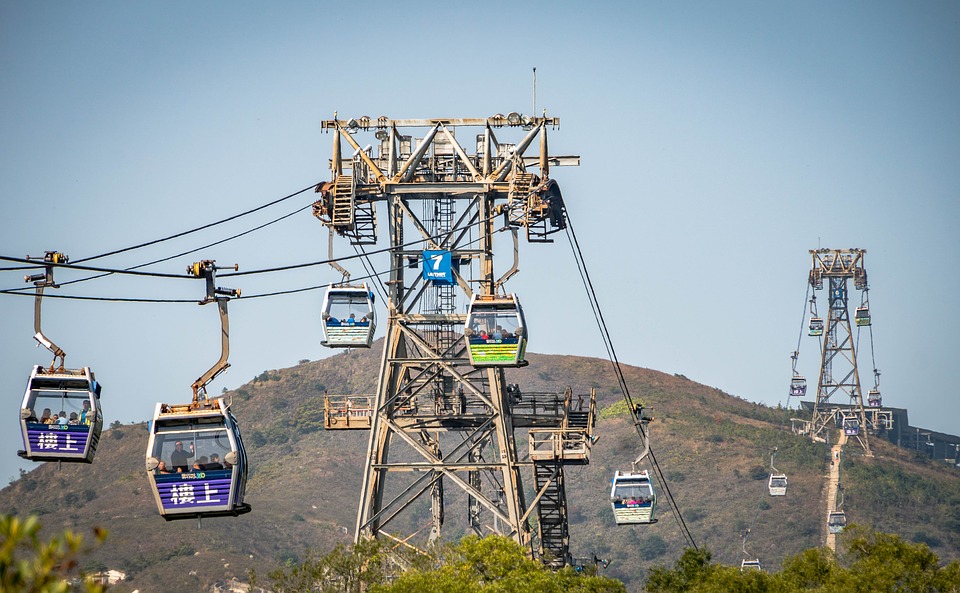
x: 552, y: 513
x: 342, y: 215
x: 572, y: 443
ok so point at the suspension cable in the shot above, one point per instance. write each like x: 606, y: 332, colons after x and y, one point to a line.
x: 371, y: 274
x: 368, y: 267
x: 181, y: 254
x: 96, y: 269
x: 621, y: 380
x: 199, y: 228
x: 133, y: 272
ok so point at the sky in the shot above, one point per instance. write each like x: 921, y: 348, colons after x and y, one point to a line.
x: 719, y: 143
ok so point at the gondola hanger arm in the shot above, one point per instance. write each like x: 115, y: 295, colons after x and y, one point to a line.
x: 208, y: 270
x: 50, y: 258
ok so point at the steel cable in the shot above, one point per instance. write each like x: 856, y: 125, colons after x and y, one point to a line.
x: 621, y: 380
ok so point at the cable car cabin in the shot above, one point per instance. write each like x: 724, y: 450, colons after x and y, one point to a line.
x: 851, y: 427
x: 496, y: 333
x: 632, y: 498
x: 836, y: 521
x: 862, y: 316
x: 348, y: 317
x: 746, y: 565
x: 60, y: 416
x: 196, y: 462
x: 816, y: 326
x: 873, y: 398
x: 798, y: 386
x: 777, y: 484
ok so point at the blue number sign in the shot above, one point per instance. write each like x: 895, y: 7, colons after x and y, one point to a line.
x: 438, y: 267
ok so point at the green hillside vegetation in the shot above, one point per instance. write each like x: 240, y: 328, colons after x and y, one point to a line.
x: 870, y: 561
x: 304, y: 484
x: 473, y: 565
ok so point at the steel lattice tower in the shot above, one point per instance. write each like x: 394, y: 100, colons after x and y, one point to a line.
x: 441, y: 430
x: 838, y: 362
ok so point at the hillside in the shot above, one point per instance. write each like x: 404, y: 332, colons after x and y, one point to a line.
x: 305, y: 481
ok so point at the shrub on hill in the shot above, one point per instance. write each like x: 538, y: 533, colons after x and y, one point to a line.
x: 873, y: 562
x: 475, y: 565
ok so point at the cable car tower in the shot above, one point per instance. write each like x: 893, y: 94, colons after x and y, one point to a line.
x: 838, y: 359
x: 443, y: 414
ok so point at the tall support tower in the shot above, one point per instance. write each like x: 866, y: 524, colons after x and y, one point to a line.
x: 443, y: 431
x: 838, y: 362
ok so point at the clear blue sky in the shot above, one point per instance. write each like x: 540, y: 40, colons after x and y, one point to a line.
x: 719, y: 142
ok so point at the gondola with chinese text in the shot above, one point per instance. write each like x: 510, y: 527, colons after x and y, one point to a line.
x: 60, y: 416
x: 204, y: 431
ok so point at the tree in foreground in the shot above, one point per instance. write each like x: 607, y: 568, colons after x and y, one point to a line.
x: 496, y: 564
x: 873, y: 562
x: 29, y: 564
x: 492, y: 564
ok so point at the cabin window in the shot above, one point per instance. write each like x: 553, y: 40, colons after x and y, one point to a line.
x: 206, y: 442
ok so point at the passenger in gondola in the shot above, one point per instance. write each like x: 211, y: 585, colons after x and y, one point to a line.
x: 352, y: 320
x: 484, y: 335
x: 74, y: 419
x: 178, y: 459
x: 62, y: 418
x: 85, y: 413
x: 214, y: 462
x: 46, y: 418
x: 498, y: 333
x: 162, y: 468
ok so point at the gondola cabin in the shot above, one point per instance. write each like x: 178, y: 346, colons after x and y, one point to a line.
x: 862, y: 316
x: 60, y: 416
x: 348, y: 317
x: 746, y: 565
x: 873, y: 398
x: 798, y: 386
x: 777, y: 485
x: 851, y: 427
x: 836, y: 521
x: 633, y: 499
x: 816, y: 326
x: 495, y: 331
x: 196, y: 462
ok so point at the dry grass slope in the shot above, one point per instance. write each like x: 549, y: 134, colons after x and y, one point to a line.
x: 304, y: 485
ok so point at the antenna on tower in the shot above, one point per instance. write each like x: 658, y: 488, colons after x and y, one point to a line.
x: 534, y: 112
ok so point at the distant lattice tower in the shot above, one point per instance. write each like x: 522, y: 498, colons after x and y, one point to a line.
x: 838, y: 363
x: 444, y: 424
